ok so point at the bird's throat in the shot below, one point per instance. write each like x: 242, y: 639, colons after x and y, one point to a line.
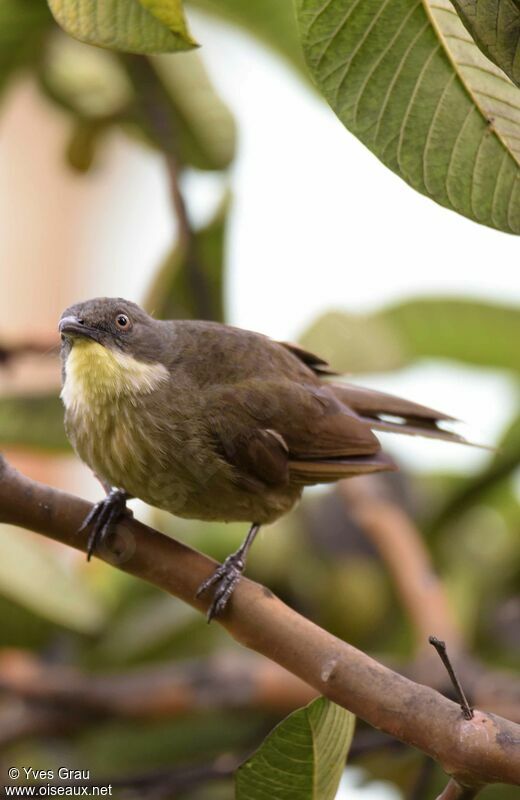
x: 96, y: 375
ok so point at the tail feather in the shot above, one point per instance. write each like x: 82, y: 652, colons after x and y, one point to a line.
x: 385, y: 412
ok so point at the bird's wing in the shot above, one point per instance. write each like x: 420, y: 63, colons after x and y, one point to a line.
x: 278, y: 431
x: 317, y: 364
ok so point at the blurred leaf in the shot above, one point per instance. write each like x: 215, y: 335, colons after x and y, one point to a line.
x: 87, y: 81
x: 83, y: 144
x: 177, y: 109
x: 119, y: 746
x: 204, y: 126
x: 495, y: 27
x: 272, y: 21
x: 471, y: 331
x: 22, y: 627
x: 34, y: 421
x: 303, y: 757
x: 173, y: 293
x: 410, y: 83
x: 139, y: 630
x: 31, y: 575
x: 132, y: 26
x: 22, y: 26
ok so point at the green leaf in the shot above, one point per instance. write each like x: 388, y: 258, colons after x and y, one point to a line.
x: 23, y: 24
x: 33, y: 421
x: 32, y: 576
x: 302, y: 759
x: 86, y: 81
x: 132, y: 26
x: 474, y: 332
x: 171, y: 14
x: 175, y: 291
x: 406, y: 78
x: 272, y: 21
x: 495, y: 26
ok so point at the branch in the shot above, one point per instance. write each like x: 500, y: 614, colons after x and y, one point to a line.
x: 44, y: 346
x: 485, y: 749
x: 402, y: 549
x: 238, y: 682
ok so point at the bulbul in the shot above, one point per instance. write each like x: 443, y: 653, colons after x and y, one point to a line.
x: 212, y: 422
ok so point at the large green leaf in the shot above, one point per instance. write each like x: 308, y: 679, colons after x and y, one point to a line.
x: 188, y: 281
x: 302, y: 759
x: 22, y: 26
x: 33, y: 421
x: 407, y: 79
x: 32, y: 576
x: 475, y: 332
x: 272, y: 21
x: 132, y: 26
x: 495, y: 26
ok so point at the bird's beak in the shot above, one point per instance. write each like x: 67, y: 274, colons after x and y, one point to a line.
x: 72, y: 326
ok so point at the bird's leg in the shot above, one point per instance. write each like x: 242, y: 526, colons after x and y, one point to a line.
x: 226, y: 577
x: 103, y: 517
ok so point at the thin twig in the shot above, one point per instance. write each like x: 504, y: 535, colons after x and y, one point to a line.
x: 455, y: 791
x: 485, y: 749
x: 422, y: 779
x: 440, y: 646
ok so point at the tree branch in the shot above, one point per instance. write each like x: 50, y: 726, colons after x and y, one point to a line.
x: 402, y: 549
x: 45, y: 346
x: 485, y: 749
x: 231, y: 681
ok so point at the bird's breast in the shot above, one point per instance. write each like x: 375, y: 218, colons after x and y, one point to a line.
x: 96, y: 376
x: 106, y: 395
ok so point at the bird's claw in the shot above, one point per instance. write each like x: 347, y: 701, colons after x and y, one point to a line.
x: 103, y: 517
x: 224, y: 579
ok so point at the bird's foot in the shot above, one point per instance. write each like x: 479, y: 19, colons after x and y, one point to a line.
x: 103, y: 517
x: 224, y: 579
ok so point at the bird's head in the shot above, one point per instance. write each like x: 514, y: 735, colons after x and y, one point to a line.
x: 113, y: 323
x: 110, y: 346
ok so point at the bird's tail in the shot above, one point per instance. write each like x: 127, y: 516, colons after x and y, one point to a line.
x: 385, y: 412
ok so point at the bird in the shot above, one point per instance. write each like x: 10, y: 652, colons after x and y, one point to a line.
x: 213, y: 422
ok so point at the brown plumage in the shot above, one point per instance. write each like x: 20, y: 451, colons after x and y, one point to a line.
x: 212, y: 422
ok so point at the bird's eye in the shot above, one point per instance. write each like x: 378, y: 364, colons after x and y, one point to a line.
x: 122, y: 321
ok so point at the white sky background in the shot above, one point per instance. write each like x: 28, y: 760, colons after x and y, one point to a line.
x: 317, y: 223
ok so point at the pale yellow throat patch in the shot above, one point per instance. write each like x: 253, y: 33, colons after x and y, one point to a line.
x: 95, y: 375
